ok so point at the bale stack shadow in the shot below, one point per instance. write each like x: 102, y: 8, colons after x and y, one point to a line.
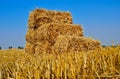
x: 54, y: 32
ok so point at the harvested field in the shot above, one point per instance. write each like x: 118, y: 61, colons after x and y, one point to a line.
x: 95, y: 64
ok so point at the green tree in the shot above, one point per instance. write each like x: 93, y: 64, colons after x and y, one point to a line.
x: 103, y: 45
x: 19, y: 47
x: 0, y: 47
x: 10, y: 47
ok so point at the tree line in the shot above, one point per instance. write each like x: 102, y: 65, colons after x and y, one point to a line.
x: 10, y: 47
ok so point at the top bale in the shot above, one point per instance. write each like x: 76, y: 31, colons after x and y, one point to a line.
x: 39, y: 17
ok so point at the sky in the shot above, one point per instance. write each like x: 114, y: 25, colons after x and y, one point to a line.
x: 100, y: 19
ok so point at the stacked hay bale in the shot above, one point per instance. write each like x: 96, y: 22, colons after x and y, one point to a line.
x: 39, y: 17
x: 66, y: 43
x: 48, y: 31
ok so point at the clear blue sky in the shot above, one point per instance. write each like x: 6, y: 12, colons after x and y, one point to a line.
x: 100, y: 18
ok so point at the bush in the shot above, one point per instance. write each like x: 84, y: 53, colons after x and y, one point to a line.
x: 19, y: 47
x: 103, y: 45
x: 10, y: 47
x: 0, y: 47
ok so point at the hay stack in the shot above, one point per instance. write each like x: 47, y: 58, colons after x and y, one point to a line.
x: 53, y: 32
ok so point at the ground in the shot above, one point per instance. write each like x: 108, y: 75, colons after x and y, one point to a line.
x: 99, y: 63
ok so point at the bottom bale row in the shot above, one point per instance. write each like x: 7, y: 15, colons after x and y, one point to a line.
x: 63, y: 44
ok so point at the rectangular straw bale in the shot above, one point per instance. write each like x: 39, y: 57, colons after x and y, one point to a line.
x: 30, y: 48
x: 40, y: 16
x: 67, y: 44
x: 51, y: 31
x: 50, y: 13
x: 83, y: 44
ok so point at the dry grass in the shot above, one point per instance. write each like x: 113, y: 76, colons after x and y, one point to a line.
x: 102, y: 63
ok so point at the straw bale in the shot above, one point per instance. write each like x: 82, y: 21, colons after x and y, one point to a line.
x: 51, y: 31
x: 67, y: 44
x: 30, y: 48
x: 39, y: 17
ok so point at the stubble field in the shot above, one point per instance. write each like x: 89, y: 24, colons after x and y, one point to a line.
x: 101, y: 63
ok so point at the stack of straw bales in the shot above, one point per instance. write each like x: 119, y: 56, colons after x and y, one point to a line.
x: 53, y: 32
